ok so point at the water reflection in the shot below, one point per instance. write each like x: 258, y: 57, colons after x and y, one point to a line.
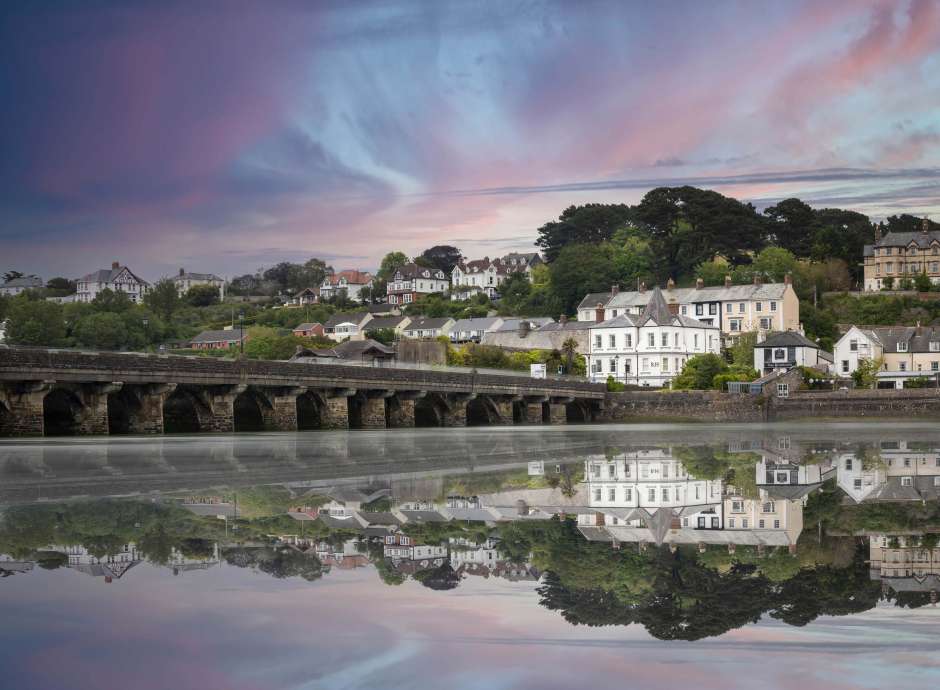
x: 687, y: 539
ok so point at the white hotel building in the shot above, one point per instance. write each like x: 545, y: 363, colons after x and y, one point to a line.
x: 649, y: 349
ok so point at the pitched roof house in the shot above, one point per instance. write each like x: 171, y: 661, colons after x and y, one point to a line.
x: 788, y: 350
x: 348, y: 282
x: 117, y: 279
x: 411, y: 282
x: 308, y: 330
x: 218, y: 339
x: 347, y: 325
x: 425, y: 327
x: 15, y: 286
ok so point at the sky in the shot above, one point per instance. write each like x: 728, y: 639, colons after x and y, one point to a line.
x: 226, y: 136
x: 233, y: 629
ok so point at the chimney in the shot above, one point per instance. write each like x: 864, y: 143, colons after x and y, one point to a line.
x: 642, y: 287
x: 563, y: 319
x: 673, y: 308
x: 614, y: 289
x: 115, y: 265
x: 182, y: 273
x: 599, y: 312
x: 699, y: 283
x: 788, y: 279
x: 670, y: 284
x: 878, y: 230
x: 757, y: 280
x: 524, y: 328
x: 727, y: 281
x: 925, y: 226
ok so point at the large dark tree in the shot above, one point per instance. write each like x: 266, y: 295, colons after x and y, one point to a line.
x: 842, y: 235
x: 905, y: 222
x: 588, y: 224
x: 792, y: 226
x: 441, y: 256
x: 687, y: 226
x: 580, y: 269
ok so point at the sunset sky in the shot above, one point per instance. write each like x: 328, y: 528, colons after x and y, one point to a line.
x: 225, y: 136
x: 232, y: 629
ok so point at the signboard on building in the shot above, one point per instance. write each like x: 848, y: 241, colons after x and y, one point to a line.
x: 537, y: 371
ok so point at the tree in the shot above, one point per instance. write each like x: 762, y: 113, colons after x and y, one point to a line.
x: 441, y: 256
x: 61, y: 286
x: 111, y: 301
x: 842, y: 235
x: 12, y: 275
x: 202, y: 295
x: 699, y: 372
x: 888, y: 283
x: 742, y: 352
x: 771, y: 264
x: 570, y: 349
x: 792, y: 226
x: 163, y: 298
x: 865, y: 375
x: 588, y: 224
x: 267, y: 343
x: 35, y: 322
x: 386, y: 336
x: 580, y: 269
x: 101, y: 331
x: 391, y: 262
x: 315, y: 272
x: 922, y: 282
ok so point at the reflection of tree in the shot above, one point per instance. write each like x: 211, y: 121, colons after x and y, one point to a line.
x: 441, y: 578
x: 277, y: 561
x: 826, y: 591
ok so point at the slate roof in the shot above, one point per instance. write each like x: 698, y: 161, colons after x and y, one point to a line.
x: 918, y: 338
x: 478, y: 324
x: 903, y: 239
x: 513, y: 324
x: 656, y: 310
x: 425, y: 323
x: 107, y: 275
x: 689, y: 295
x: 353, y: 349
x: 413, y: 270
x: 217, y: 337
x: 306, y: 326
x: 355, y: 317
x: 24, y: 282
x: 352, y: 277
x: 187, y: 275
x: 385, y: 322
x: 787, y: 339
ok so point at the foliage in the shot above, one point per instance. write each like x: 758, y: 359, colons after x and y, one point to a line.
x: 580, y: 269
x: 589, y: 224
x: 699, y: 372
x: 614, y: 386
x: 163, y: 298
x: 268, y: 343
x: 741, y: 352
x: 865, y: 376
x: 386, y: 336
x: 202, y: 295
x: 34, y: 322
x: 441, y: 256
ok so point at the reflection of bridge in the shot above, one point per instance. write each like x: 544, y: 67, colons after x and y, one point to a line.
x: 55, y: 392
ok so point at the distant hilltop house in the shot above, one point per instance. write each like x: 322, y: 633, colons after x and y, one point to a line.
x: 788, y: 350
x: 734, y: 309
x: 218, y: 340
x: 117, y: 279
x: 486, y: 275
x: 900, y: 255
x: 305, y: 297
x: 185, y: 280
x: 15, y: 286
x: 906, y: 352
x: 411, y: 282
x: 348, y: 283
x: 648, y: 349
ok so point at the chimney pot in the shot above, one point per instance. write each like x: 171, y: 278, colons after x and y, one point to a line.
x: 614, y: 289
x: 642, y: 287
x: 182, y: 272
x: 788, y: 279
x: 670, y: 284
x: 699, y: 283
x: 563, y: 319
x: 757, y: 280
x: 727, y: 281
x: 115, y: 265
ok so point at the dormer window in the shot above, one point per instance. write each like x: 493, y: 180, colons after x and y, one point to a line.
x: 902, y: 347
x: 935, y: 345
x: 907, y: 481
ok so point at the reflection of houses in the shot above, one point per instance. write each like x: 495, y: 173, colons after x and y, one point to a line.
x: 401, y: 546
x: 471, y: 556
x: 895, y: 471
x: 631, y: 488
x: 779, y: 477
x: 180, y: 563
x: 10, y: 566
x: 779, y: 521
x: 903, y: 565
x: 111, y: 567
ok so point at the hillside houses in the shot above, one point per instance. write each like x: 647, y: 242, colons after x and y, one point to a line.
x: 15, y: 286
x: 733, y: 309
x: 486, y: 275
x: 411, y: 282
x: 348, y: 283
x: 898, y: 255
x: 117, y: 279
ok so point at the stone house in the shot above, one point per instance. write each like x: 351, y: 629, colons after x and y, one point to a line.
x: 900, y: 255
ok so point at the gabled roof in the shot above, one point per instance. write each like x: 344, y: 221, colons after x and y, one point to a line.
x: 307, y: 326
x: 656, y: 310
x: 424, y: 323
x: 690, y: 295
x: 107, y: 275
x: 477, y: 324
x: 413, y: 270
x: 386, y: 322
x: 905, y: 239
x: 353, y: 277
x: 353, y: 349
x: 787, y: 339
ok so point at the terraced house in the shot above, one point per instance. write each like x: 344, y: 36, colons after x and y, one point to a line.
x: 898, y: 255
x: 733, y: 309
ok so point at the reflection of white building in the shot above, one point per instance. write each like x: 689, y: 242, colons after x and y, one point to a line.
x: 782, y: 477
x: 180, y: 563
x: 110, y: 567
x: 471, y: 555
x: 780, y: 519
x: 630, y: 488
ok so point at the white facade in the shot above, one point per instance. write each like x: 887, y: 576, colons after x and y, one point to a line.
x: 15, y: 286
x: 857, y: 344
x: 411, y: 282
x: 650, y: 349
x: 350, y: 283
x: 485, y: 275
x: 117, y: 279
x: 649, y: 480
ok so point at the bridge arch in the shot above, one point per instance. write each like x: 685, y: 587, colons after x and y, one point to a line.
x: 123, y: 407
x: 184, y: 411
x: 61, y: 412
x: 250, y: 410
x: 310, y: 411
x: 6, y: 419
x: 431, y: 410
x: 578, y: 412
x: 482, y: 411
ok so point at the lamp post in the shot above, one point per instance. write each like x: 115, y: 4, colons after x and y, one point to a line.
x: 241, y: 330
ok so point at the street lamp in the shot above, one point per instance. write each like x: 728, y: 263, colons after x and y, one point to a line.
x: 241, y: 330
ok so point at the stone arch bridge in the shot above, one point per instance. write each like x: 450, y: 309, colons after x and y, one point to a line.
x: 64, y: 392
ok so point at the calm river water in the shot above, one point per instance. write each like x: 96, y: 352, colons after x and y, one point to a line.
x: 643, y: 556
